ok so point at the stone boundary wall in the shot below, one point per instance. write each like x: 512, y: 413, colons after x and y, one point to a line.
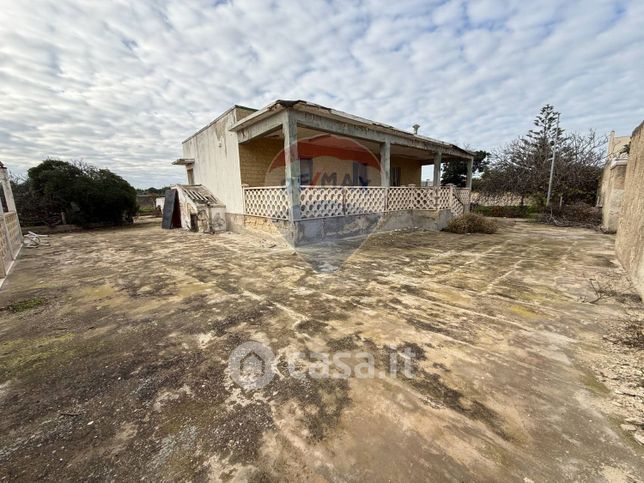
x: 629, y: 244
x: 504, y: 199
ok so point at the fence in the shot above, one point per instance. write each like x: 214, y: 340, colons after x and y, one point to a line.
x: 332, y: 201
x: 10, y: 240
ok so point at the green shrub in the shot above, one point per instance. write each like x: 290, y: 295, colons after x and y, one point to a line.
x: 26, y: 304
x: 88, y: 196
x: 472, y: 223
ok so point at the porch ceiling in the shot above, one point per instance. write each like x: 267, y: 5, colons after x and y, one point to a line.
x: 397, y: 151
x: 323, y: 119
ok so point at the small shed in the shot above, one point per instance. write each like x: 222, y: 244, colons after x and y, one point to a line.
x: 195, y: 208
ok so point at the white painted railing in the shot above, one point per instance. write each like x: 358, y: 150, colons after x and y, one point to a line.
x: 332, y: 201
x: 266, y: 201
x: 13, y: 227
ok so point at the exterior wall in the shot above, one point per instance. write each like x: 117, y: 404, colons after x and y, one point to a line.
x: 612, y: 185
x: 255, y: 159
x: 257, y: 156
x: 629, y: 244
x: 410, y: 170
x: 305, y: 232
x: 613, y: 179
x: 216, y: 156
x: 334, y: 228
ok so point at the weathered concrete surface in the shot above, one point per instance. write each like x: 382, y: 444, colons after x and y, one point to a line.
x: 612, y: 183
x: 630, y: 233
x: 319, y: 230
x: 121, y: 372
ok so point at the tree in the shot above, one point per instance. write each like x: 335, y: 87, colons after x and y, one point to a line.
x: 85, y: 194
x: 153, y: 191
x: 523, y: 165
x: 456, y: 172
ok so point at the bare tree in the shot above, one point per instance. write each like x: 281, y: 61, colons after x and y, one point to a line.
x: 523, y: 165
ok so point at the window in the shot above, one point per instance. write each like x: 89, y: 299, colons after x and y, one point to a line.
x: 360, y: 174
x: 394, y: 178
x: 306, y: 171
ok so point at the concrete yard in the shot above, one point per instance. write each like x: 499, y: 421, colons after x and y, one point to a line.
x: 114, y: 349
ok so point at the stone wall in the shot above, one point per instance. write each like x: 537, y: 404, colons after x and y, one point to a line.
x: 255, y: 159
x: 629, y: 244
x: 612, y: 189
x: 501, y: 199
x: 612, y: 185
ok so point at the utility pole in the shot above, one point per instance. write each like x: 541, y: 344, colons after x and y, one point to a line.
x: 552, y: 163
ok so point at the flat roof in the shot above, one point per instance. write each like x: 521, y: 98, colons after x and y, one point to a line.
x: 281, y: 104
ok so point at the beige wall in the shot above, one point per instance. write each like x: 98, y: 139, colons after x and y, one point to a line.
x: 612, y: 185
x: 629, y: 244
x: 410, y: 171
x: 613, y: 179
x: 255, y: 158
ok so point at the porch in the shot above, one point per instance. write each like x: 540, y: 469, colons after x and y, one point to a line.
x: 312, y: 171
x: 335, y: 201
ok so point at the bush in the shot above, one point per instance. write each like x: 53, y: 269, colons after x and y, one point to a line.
x: 578, y: 214
x: 503, y: 211
x: 88, y: 196
x: 472, y: 223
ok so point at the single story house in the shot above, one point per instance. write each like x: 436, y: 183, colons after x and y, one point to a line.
x: 311, y: 172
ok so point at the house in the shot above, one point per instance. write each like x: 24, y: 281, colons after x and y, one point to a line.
x: 612, y: 184
x: 10, y: 232
x: 312, y: 173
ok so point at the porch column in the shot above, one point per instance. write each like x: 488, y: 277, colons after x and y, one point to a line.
x: 468, y: 183
x: 437, y: 168
x: 385, y: 158
x: 292, y: 165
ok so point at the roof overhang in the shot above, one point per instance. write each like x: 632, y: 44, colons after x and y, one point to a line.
x: 331, y: 120
x: 184, y: 162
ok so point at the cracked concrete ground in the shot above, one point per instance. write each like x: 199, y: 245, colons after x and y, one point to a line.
x: 120, y: 370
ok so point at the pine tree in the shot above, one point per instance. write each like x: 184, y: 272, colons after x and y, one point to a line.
x: 523, y: 166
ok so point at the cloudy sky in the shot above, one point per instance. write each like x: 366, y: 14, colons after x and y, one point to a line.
x: 120, y: 84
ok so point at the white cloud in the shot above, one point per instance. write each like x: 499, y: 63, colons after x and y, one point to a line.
x: 121, y: 84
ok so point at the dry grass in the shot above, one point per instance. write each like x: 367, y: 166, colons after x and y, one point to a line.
x: 472, y: 223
